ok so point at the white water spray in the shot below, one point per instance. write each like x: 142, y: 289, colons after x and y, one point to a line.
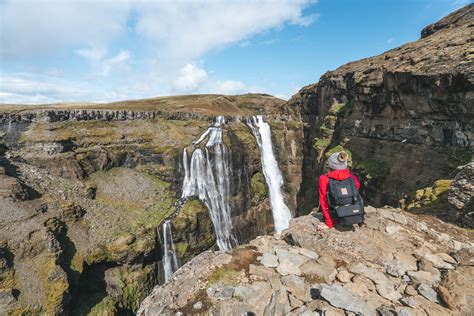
x: 170, y: 260
x: 281, y: 212
x: 208, y: 178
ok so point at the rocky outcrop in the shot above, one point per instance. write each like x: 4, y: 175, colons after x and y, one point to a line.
x: 460, y: 195
x: 406, y: 115
x: 397, y: 264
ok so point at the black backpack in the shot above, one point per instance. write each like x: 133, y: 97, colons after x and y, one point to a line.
x: 345, y: 202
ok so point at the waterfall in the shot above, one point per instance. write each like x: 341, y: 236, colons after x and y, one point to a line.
x: 271, y: 171
x: 170, y: 260
x: 208, y: 177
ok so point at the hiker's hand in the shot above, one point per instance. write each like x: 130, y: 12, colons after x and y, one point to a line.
x: 322, y: 226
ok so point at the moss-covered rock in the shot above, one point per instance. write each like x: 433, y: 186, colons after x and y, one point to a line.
x: 259, y: 188
x: 192, y: 229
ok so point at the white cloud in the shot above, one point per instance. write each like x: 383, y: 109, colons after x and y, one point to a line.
x: 38, y: 28
x: 189, y: 79
x: 92, y: 53
x: 188, y: 29
x: 116, y: 61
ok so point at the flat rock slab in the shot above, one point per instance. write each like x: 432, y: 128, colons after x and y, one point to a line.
x: 339, y: 297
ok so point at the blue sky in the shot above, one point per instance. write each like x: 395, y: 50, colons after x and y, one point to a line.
x: 105, y: 50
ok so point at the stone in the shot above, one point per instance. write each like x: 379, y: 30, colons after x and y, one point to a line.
x: 243, y: 292
x: 309, y: 253
x: 269, y: 260
x: 394, y: 268
x: 393, y: 229
x: 279, y: 304
x: 344, y: 276
x: 428, y: 292
x: 446, y: 297
x: 386, y: 311
x: 198, y: 305
x: 324, y: 272
x: 438, y: 262
x: 294, y: 302
x: 424, y: 277
x: 260, y: 271
x: 369, y: 209
x: 219, y: 291
x: 410, y: 290
x: 296, y: 286
x: 409, y: 301
x: 339, y: 297
x: 388, y: 292
x: 289, y: 257
x: 288, y: 268
x: 373, y: 274
x: 445, y: 257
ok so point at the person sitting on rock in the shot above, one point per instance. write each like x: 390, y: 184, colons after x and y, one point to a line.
x: 339, y: 199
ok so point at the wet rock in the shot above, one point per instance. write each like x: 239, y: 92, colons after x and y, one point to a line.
x: 337, y: 296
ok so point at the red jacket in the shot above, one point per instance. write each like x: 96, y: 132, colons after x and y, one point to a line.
x: 323, y: 190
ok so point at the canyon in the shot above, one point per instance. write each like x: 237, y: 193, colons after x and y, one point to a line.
x: 206, y: 204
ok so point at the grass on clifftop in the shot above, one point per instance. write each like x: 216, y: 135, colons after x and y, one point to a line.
x: 211, y: 104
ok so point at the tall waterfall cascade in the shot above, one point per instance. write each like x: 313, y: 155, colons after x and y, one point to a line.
x: 271, y: 171
x: 170, y: 260
x: 208, y: 176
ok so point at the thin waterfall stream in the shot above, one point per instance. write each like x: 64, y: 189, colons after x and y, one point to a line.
x: 170, y: 260
x: 208, y: 177
x: 271, y: 171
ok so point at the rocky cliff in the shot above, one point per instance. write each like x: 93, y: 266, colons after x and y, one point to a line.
x: 405, y: 115
x: 84, y: 193
x: 398, y: 264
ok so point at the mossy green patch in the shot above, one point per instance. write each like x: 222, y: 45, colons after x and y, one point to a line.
x: 336, y: 108
x: 259, y: 187
x: 181, y: 248
x: 225, y: 276
x: 320, y: 144
x: 433, y: 198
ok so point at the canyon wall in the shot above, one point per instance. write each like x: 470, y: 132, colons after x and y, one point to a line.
x: 406, y: 115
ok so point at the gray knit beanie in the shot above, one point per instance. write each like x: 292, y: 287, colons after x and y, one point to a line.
x: 338, y: 161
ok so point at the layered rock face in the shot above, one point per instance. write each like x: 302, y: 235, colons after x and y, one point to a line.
x: 406, y: 115
x: 84, y: 194
x: 399, y: 264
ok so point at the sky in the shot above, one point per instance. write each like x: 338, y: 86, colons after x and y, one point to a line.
x: 108, y: 50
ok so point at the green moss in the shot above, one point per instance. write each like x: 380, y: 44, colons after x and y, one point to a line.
x: 226, y: 276
x: 259, y: 187
x: 106, y: 307
x: 181, y: 248
x: 320, y: 144
x: 187, y: 216
x: 55, y: 287
x: 336, y: 108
